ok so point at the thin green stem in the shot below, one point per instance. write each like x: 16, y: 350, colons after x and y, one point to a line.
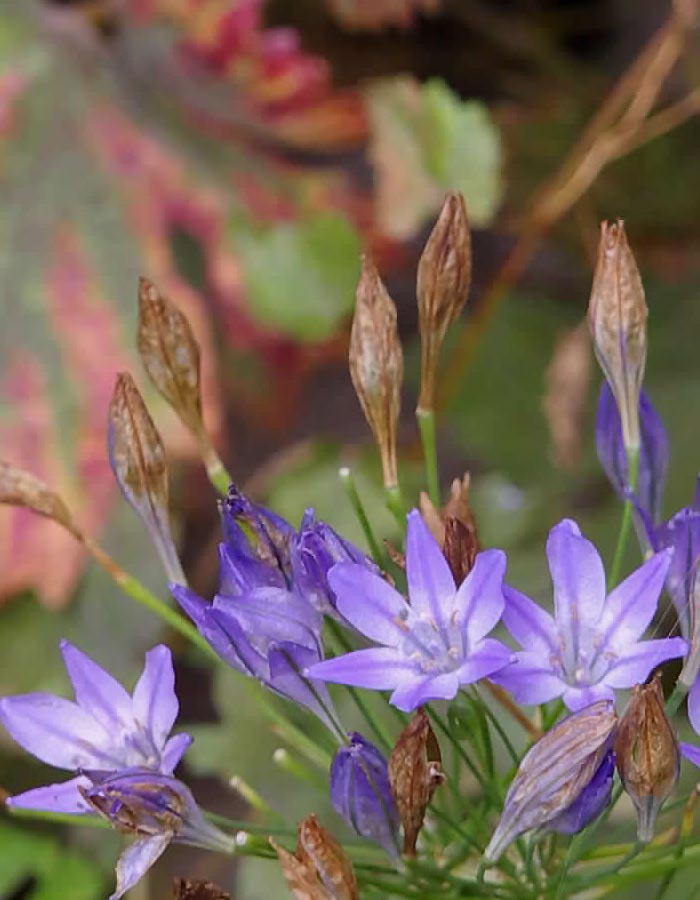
x: 426, y: 425
x: 396, y: 505
x: 626, y: 523
x: 678, y: 695
x: 348, y: 483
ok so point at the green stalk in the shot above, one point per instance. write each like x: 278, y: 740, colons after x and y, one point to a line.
x: 395, y: 504
x: 348, y: 483
x: 626, y: 523
x: 426, y: 425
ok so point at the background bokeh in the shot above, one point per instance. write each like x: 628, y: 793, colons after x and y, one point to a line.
x: 242, y: 154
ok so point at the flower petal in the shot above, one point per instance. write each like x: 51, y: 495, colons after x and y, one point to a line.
x: 57, y: 732
x: 379, y: 668
x: 136, y: 860
x: 576, y: 698
x: 155, y: 703
x: 691, y: 753
x: 431, y: 587
x: 479, y: 602
x: 289, y: 664
x: 62, y: 797
x: 192, y: 603
x: 96, y: 691
x: 369, y: 603
x: 485, y: 658
x: 417, y: 691
x: 530, y: 678
x: 273, y: 614
x: 633, y: 666
x: 631, y: 606
x: 579, y: 580
x: 532, y: 627
x: 694, y: 705
x: 173, y: 752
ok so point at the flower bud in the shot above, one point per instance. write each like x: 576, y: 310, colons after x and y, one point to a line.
x: 170, y: 354
x: 415, y: 771
x: 137, y: 457
x: 444, y: 276
x: 617, y: 316
x: 376, y: 365
x: 361, y: 793
x: 319, y: 869
x: 648, y: 757
x: 184, y: 889
x: 554, y: 773
x: 591, y: 802
x: 20, y: 488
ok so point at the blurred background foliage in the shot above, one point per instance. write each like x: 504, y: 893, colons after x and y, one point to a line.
x: 242, y: 154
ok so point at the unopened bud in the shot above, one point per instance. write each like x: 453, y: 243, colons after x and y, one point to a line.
x: 617, y: 316
x: 320, y: 868
x: 20, y: 488
x: 376, y: 365
x: 444, y: 276
x: 454, y: 527
x: 415, y: 771
x: 185, y: 889
x: 648, y: 757
x: 170, y: 354
x: 554, y: 773
x: 137, y: 457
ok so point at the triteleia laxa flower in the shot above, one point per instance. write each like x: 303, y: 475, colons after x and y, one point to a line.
x: 593, y: 645
x: 105, y: 730
x: 157, y: 809
x: 361, y: 793
x: 435, y: 644
x: 591, y: 802
x: 554, y: 773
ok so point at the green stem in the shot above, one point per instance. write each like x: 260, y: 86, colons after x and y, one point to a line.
x: 348, y: 483
x: 395, y: 504
x: 426, y: 424
x: 678, y: 695
x: 626, y: 523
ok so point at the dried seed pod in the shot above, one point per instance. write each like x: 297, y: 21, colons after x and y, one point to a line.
x: 460, y: 549
x: 184, y: 889
x: 648, y: 757
x: 617, y: 316
x: 170, y: 354
x: 415, y: 771
x: 137, y: 457
x: 20, y: 488
x: 444, y: 276
x: 376, y: 365
x: 454, y: 527
x: 319, y: 869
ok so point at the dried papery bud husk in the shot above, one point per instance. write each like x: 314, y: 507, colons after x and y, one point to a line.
x: 415, y: 771
x: 617, y: 316
x: 444, y: 276
x: 553, y: 773
x: 185, y: 889
x: 137, y: 456
x: 170, y: 354
x: 648, y: 757
x: 460, y: 549
x: 376, y: 365
x: 454, y: 527
x: 319, y: 869
x: 567, y: 379
x: 20, y: 488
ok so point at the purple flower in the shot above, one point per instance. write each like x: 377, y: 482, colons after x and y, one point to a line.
x: 157, y: 809
x: 435, y: 644
x: 105, y: 730
x: 592, y: 646
x: 591, y: 802
x: 690, y: 751
x: 361, y: 793
x: 653, y: 455
x: 270, y: 634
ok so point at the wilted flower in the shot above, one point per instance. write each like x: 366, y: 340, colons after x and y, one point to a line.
x: 137, y: 457
x: 431, y: 646
x: 617, y: 317
x: 105, y: 730
x: 648, y: 757
x: 376, y: 364
x: 444, y: 276
x: 592, y: 646
x: 554, y: 773
x: 591, y: 802
x: 319, y: 869
x: 361, y: 794
x: 415, y: 771
x: 157, y: 809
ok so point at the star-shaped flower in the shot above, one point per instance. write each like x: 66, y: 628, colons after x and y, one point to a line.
x: 105, y: 730
x: 431, y: 646
x: 593, y: 645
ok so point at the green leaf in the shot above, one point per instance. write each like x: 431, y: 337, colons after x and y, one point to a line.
x: 301, y: 278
